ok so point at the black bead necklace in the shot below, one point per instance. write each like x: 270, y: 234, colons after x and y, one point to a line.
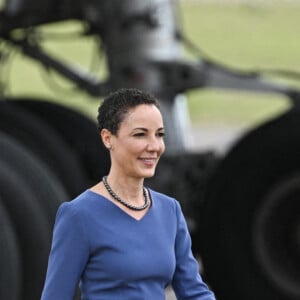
x: 116, y: 197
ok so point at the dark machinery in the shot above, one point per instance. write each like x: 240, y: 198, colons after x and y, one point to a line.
x: 243, y: 209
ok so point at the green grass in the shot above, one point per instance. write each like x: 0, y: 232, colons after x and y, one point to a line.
x: 28, y: 78
x: 242, y: 36
x: 245, y: 37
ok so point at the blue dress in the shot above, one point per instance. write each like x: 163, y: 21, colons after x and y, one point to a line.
x: 113, y: 256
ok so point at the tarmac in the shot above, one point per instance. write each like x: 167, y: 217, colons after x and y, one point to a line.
x: 170, y: 294
x: 217, y: 138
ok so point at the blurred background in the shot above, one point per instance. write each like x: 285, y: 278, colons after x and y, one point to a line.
x: 246, y: 35
x: 235, y: 150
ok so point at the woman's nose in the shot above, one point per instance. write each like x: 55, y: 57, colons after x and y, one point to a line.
x: 154, y: 144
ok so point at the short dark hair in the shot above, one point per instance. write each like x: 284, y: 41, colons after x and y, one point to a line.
x: 116, y: 105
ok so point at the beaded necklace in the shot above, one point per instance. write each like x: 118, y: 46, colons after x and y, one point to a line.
x: 123, y: 202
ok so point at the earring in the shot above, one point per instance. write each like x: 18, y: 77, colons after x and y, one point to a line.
x: 108, y: 147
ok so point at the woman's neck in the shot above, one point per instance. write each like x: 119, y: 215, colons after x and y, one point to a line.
x: 127, y: 188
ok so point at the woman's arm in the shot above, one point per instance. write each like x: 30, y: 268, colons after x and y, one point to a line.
x: 68, y: 256
x: 187, y: 282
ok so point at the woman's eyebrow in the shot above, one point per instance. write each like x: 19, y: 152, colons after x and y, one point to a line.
x: 140, y: 128
x: 145, y: 129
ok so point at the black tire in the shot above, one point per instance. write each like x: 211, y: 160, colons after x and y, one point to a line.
x: 32, y: 230
x: 47, y: 189
x: 42, y: 140
x: 10, y: 262
x: 31, y: 195
x: 251, y: 219
x: 77, y: 130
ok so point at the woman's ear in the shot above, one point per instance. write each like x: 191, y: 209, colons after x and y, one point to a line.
x: 106, y: 137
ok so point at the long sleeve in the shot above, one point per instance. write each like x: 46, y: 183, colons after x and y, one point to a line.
x: 187, y: 282
x: 68, y: 256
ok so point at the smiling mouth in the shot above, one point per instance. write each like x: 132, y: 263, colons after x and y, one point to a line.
x: 148, y: 160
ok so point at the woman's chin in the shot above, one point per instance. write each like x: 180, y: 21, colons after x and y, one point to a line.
x: 149, y: 174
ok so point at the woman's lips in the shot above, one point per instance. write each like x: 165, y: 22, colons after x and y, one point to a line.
x: 148, y: 161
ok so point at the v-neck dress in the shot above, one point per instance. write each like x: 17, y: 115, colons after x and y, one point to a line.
x: 113, y: 256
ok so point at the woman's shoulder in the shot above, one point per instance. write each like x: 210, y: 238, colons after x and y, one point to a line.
x: 160, y: 195
x: 163, y: 199
x: 83, y: 201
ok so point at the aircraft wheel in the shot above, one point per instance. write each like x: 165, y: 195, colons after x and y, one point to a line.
x: 45, y: 143
x: 77, y: 130
x: 10, y: 272
x: 250, y: 222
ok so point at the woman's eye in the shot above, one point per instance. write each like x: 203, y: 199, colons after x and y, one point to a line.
x: 139, y: 134
x: 142, y: 134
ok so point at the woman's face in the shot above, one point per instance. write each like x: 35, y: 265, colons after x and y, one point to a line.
x: 139, y: 143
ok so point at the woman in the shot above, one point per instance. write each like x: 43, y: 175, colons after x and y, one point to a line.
x: 119, y: 239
